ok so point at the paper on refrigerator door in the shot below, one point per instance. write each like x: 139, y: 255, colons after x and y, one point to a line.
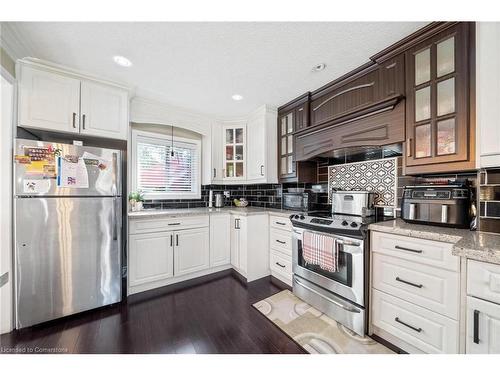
x: 71, y: 174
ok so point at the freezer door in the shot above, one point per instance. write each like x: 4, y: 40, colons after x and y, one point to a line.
x: 100, y: 166
x: 67, y: 256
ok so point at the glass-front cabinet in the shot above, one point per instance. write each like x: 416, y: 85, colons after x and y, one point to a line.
x: 234, y: 151
x: 286, y: 145
x: 437, y: 87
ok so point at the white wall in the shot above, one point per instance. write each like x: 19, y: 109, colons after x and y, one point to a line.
x: 6, y: 291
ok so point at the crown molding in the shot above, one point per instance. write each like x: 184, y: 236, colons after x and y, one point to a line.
x: 12, y: 42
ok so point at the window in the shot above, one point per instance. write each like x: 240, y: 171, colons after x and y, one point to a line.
x: 161, y: 175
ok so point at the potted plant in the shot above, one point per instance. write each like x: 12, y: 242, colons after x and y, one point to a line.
x: 135, y: 199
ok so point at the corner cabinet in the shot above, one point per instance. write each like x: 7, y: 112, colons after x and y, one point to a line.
x: 244, y: 151
x: 55, y: 100
x: 440, y: 135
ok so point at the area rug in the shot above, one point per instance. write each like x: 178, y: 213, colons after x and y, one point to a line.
x: 313, y: 330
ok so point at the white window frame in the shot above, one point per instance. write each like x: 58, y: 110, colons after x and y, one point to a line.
x: 196, y: 194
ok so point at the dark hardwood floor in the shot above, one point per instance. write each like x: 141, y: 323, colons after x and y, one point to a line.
x: 215, y: 317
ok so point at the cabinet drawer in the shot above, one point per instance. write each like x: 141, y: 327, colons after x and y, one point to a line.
x: 281, y: 240
x: 426, y: 286
x: 280, y: 222
x: 483, y: 280
x: 424, y: 329
x: 281, y: 264
x: 433, y: 253
x: 150, y: 225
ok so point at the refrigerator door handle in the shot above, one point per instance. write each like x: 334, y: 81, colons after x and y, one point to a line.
x: 116, y: 201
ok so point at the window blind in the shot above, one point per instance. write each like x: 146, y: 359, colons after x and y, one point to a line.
x: 160, y: 173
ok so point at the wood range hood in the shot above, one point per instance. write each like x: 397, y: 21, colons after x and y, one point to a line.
x: 379, y: 123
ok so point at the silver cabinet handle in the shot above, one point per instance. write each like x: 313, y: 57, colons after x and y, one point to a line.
x: 262, y: 170
x: 83, y: 121
x: 408, y: 325
x: 476, y: 326
x: 348, y: 308
x: 215, y: 172
x: 279, y: 264
x: 171, y: 240
x: 280, y: 223
x: 408, y: 249
x: 279, y: 241
x: 409, y: 283
x: 176, y: 240
x: 174, y: 223
x: 74, y: 120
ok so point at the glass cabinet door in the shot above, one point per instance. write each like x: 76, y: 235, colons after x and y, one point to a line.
x: 234, y: 152
x: 436, y: 99
x: 286, y: 128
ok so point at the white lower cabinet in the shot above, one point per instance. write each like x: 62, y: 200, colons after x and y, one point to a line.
x: 280, y: 245
x: 483, y: 327
x: 483, y: 308
x: 220, y: 240
x: 151, y: 257
x: 415, y: 295
x: 192, y: 251
x: 250, y: 245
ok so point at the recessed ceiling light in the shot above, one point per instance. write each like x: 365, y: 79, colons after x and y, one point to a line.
x: 319, y: 67
x: 122, y: 61
x: 237, y: 97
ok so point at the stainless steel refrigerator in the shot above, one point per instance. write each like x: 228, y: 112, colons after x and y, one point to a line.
x: 67, y: 229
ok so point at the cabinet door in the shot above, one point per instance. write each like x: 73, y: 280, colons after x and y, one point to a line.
x: 256, y: 140
x: 302, y: 116
x: 217, y: 163
x: 151, y: 257
x: 234, y: 151
x: 220, y: 240
x: 488, y: 92
x: 48, y: 101
x: 286, y: 145
x: 483, y: 327
x: 235, y: 242
x: 437, y: 86
x: 192, y: 251
x: 392, y: 77
x: 104, y: 111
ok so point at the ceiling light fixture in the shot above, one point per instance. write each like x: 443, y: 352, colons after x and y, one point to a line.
x: 122, y: 61
x: 319, y: 67
x: 237, y: 97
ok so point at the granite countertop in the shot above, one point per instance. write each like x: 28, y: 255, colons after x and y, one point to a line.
x: 469, y: 244
x: 244, y: 211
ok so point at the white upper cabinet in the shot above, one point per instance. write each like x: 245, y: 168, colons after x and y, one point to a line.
x: 247, y: 149
x: 48, y: 101
x: 104, y: 110
x: 488, y: 93
x: 62, y: 101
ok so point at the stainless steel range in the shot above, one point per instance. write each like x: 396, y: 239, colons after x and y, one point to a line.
x: 342, y: 294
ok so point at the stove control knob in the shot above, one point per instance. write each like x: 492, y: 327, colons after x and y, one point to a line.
x: 354, y: 224
x: 302, y: 217
x: 345, y: 223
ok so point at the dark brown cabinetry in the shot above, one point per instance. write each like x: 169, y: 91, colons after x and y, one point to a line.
x: 293, y: 117
x: 438, y: 130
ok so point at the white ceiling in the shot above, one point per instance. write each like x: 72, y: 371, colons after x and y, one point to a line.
x: 199, y: 66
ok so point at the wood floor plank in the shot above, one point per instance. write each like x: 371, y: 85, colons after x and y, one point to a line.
x: 214, y: 317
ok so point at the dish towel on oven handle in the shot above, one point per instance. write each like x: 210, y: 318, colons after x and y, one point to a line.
x: 320, y: 250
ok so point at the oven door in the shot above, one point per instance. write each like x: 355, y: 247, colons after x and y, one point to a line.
x: 348, y: 282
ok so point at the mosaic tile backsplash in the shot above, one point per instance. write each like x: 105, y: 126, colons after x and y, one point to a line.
x: 379, y: 176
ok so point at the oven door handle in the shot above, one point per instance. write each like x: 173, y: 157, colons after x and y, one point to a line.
x: 347, y: 308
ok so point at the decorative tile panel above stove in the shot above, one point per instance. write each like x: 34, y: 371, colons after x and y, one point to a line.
x: 379, y: 176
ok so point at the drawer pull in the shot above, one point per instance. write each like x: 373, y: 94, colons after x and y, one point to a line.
x: 409, y: 282
x: 408, y: 325
x: 281, y: 265
x: 174, y: 223
x: 476, y: 326
x: 282, y: 242
x: 408, y: 249
x: 280, y: 223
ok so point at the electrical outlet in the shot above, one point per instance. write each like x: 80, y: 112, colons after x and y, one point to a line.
x: 227, y: 194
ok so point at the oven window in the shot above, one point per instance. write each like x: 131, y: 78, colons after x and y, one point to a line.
x: 343, y: 276
x: 294, y: 201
